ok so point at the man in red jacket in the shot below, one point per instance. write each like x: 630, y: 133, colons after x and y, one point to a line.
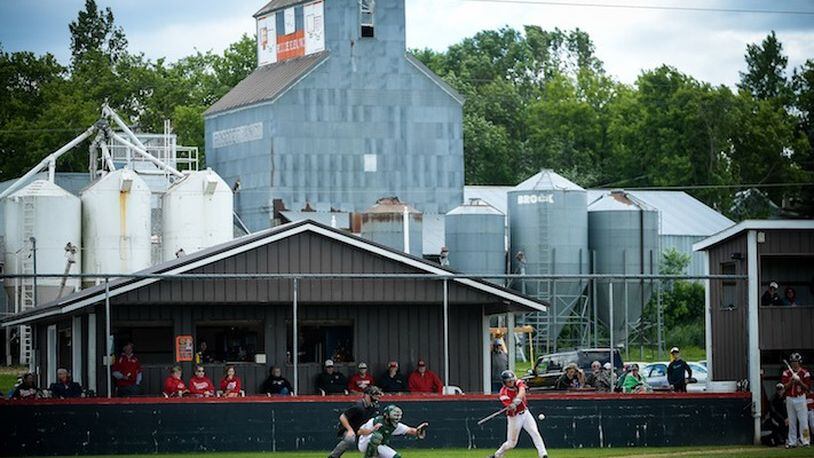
x: 423, y: 380
x: 127, y: 372
x: 360, y: 380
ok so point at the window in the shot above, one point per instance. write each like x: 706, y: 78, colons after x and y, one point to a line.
x: 794, y: 274
x: 658, y: 370
x: 238, y: 342
x: 366, y: 11
x: 152, y: 344
x: 318, y: 342
x: 728, y: 287
x: 370, y: 163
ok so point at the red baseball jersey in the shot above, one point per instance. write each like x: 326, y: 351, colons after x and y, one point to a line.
x: 507, y: 395
x: 173, y: 385
x: 796, y: 389
x: 200, y: 385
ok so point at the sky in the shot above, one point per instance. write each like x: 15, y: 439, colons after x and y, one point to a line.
x: 707, y: 45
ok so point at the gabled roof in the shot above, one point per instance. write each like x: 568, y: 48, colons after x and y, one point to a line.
x: 267, y: 82
x: 276, y: 5
x: 548, y: 180
x: 96, y: 294
x: 435, y: 78
x: 756, y: 225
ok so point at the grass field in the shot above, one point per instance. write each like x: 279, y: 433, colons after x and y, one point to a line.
x: 8, y: 375
x: 651, y: 452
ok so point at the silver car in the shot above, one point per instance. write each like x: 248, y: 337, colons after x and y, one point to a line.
x: 656, y: 374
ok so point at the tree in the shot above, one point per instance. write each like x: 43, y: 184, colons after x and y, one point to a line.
x: 765, y: 70
x: 94, y: 33
x: 803, y: 86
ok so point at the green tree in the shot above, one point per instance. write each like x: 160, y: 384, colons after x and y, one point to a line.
x: 803, y: 86
x: 765, y: 75
x: 94, y: 32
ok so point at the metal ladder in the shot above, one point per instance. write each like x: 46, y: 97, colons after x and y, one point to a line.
x: 27, y: 283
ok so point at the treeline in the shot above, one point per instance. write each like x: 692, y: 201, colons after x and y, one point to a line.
x: 534, y: 99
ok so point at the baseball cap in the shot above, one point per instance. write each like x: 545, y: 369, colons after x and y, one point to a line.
x: 779, y: 386
x: 607, y: 366
x: 421, y: 362
x: 674, y: 350
x: 362, y: 366
x: 774, y: 285
x: 329, y: 363
x: 393, y: 364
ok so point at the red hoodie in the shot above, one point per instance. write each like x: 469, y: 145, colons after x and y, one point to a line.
x: 129, y: 367
x: 174, y: 386
x: 359, y: 382
x: 230, y: 386
x: 201, y: 386
x: 427, y: 383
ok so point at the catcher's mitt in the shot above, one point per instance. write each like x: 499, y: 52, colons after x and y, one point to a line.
x: 422, y: 430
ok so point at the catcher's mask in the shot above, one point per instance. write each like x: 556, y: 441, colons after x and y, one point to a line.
x: 374, y: 392
x: 393, y: 414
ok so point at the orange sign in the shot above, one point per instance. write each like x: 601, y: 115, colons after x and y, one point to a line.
x: 291, y: 45
x: 184, y: 348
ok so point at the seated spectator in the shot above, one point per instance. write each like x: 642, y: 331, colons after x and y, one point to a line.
x: 790, y: 296
x: 200, y: 386
x: 65, y: 387
x: 635, y: 382
x: 27, y: 389
x: 230, y: 386
x: 174, y: 387
x: 599, y: 378
x: 776, y: 420
x: 127, y: 372
x: 423, y: 380
x: 331, y: 381
x: 360, y: 380
x: 276, y: 384
x: 770, y: 296
x: 572, y: 379
x: 393, y: 381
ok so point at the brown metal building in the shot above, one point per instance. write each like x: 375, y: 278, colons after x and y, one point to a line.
x: 249, y: 322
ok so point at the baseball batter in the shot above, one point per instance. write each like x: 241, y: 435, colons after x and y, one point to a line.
x: 513, y: 397
x: 374, y: 436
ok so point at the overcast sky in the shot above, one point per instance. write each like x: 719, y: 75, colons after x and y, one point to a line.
x: 707, y: 45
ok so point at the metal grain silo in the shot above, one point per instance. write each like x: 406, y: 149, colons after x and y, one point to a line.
x: 116, y: 215
x: 623, y: 236
x: 53, y: 217
x: 475, y: 234
x: 548, y: 234
x: 196, y: 214
x: 385, y: 222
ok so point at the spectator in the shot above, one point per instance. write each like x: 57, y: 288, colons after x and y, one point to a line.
x: 500, y: 363
x: 127, y: 372
x: 230, y: 386
x: 797, y: 381
x: 770, y: 296
x: 393, y: 381
x: 676, y: 371
x: 599, y: 378
x: 276, y: 384
x: 65, y: 387
x: 200, y: 386
x: 174, y: 387
x: 203, y: 356
x: 331, y: 381
x: 423, y: 380
x: 635, y: 382
x: 776, y: 420
x: 572, y: 379
x: 360, y: 380
x: 790, y: 296
x: 27, y: 389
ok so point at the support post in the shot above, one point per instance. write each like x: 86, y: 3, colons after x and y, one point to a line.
x: 593, y: 299
x: 107, y: 339
x: 627, y: 305
x: 295, y: 344
x: 708, y: 318
x: 446, y: 333
x: 510, y: 344
x: 660, y: 318
x: 610, y: 329
x: 752, y: 331
x: 551, y: 337
x: 486, y: 337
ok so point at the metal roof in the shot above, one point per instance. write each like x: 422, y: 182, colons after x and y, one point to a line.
x: 326, y: 218
x: 436, y: 79
x: 618, y: 200
x: 475, y: 207
x: 492, y: 195
x: 754, y: 225
x: 276, y: 5
x: 548, y: 180
x: 267, y: 82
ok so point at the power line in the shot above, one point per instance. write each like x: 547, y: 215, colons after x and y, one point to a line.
x: 646, y: 7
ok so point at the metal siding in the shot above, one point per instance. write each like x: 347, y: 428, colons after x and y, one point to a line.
x: 729, y: 335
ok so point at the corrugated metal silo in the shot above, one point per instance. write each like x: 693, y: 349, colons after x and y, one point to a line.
x: 196, y: 214
x: 624, y: 239
x: 116, y: 215
x: 384, y: 223
x: 548, y: 223
x: 475, y: 235
x: 53, y: 216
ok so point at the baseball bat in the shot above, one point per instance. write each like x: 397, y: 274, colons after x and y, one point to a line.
x: 489, y: 417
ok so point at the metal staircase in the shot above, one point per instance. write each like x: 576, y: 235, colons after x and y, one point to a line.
x: 27, y: 287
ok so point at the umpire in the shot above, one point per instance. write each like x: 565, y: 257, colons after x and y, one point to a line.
x: 353, y: 418
x: 676, y: 370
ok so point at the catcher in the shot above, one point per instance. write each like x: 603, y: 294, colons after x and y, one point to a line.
x: 374, y: 436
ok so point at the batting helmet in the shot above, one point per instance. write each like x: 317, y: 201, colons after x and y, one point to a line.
x: 796, y: 358
x: 508, y: 376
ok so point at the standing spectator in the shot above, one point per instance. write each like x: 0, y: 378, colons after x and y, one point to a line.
x: 276, y: 384
x: 500, y: 363
x: 202, y: 356
x: 331, y: 381
x: 27, y: 389
x: 393, y: 381
x: 64, y: 386
x: 797, y: 381
x: 360, y: 380
x: 230, y: 386
x: 174, y: 387
x: 635, y: 382
x: 572, y: 379
x: 127, y: 372
x: 599, y: 378
x: 776, y: 420
x: 423, y: 380
x: 770, y: 296
x: 353, y: 418
x: 676, y: 371
x: 790, y: 296
x: 200, y: 386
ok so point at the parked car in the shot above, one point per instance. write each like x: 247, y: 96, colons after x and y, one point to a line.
x: 548, y: 368
x: 656, y: 374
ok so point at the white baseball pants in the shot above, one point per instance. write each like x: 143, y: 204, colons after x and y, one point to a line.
x: 798, y: 414
x: 522, y: 421
x: 383, y: 450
